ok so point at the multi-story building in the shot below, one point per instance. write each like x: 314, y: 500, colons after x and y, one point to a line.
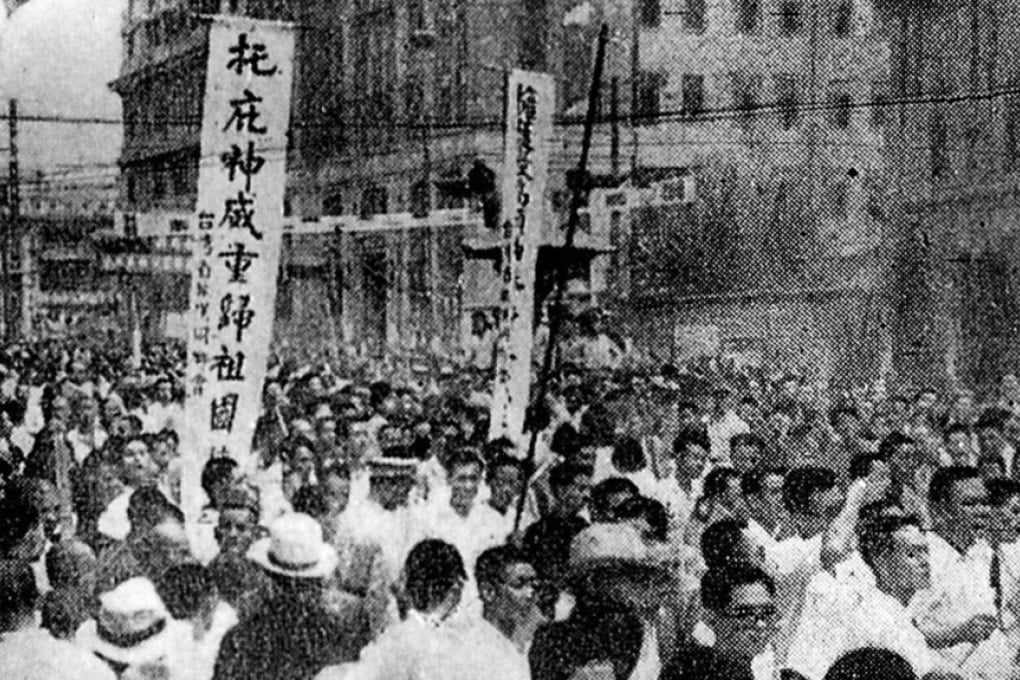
x: 394, y: 104
x: 955, y: 142
x: 770, y: 110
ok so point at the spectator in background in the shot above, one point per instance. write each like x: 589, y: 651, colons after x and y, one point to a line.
x: 762, y: 489
x: 191, y: 597
x: 723, y: 425
x: 238, y: 580
x: 679, y: 491
x: 746, y: 452
x: 959, y: 446
x: 608, y: 495
x: 508, y: 587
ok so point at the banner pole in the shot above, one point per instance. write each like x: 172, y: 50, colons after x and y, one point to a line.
x: 555, y: 312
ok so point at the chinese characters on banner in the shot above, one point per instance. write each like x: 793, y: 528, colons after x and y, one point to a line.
x: 527, y: 143
x: 236, y: 246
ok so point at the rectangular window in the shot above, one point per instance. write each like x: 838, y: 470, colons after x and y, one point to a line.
x: 843, y: 22
x: 651, y: 13
x: 841, y: 108
x: 838, y: 203
x: 747, y: 16
x: 693, y: 92
x: 790, y: 19
x: 649, y: 96
x: 416, y: 14
x: 1012, y: 134
x: 938, y: 138
x: 787, y: 100
x: 694, y: 16
x: 880, y: 104
x: 745, y: 100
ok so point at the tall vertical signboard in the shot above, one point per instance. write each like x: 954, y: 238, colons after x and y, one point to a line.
x: 527, y: 144
x: 236, y: 245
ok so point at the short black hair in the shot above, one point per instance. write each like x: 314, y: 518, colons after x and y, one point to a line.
x: 992, y: 418
x: 310, y: 500
x: 651, y: 511
x: 607, y: 488
x: 719, y: 542
x: 688, y: 436
x: 564, y: 474
x: 753, y: 481
x: 464, y: 455
x: 18, y: 517
x: 871, y: 663
x: 217, y: 470
x: 565, y: 441
x: 893, y: 441
x: 628, y: 456
x: 501, y: 462
x: 491, y: 565
x: 717, y: 585
x: 802, y: 482
x: 940, y: 490
x: 860, y: 464
x: 717, y: 482
x: 876, y: 526
x: 432, y: 570
x: 148, y: 506
x: 838, y: 411
x: 335, y: 469
x: 1001, y: 489
x: 185, y: 588
x: 956, y: 428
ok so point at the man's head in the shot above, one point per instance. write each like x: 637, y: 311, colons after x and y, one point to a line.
x: 1004, y: 499
x: 137, y: 465
x: 301, y: 458
x: 812, y: 497
x: 740, y: 608
x: 43, y: 496
x: 189, y: 592
x: 763, y: 493
x: 571, y: 486
x: 722, y: 491
x: 902, y: 455
x: 958, y: 502
x: 690, y: 451
x: 464, y: 475
x: 628, y: 455
x: 871, y: 663
x: 71, y: 565
x: 391, y: 481
x: 505, y: 475
x: 166, y: 545
x: 726, y: 544
x: 237, y: 524
x: 846, y: 422
x: 746, y: 451
x: 218, y: 476
x: 608, y: 495
x: 507, y: 584
x: 894, y: 546
x: 163, y: 390
x: 434, y: 577
x: 335, y: 480
x: 959, y: 444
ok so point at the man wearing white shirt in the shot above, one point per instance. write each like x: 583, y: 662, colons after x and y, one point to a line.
x: 723, y: 424
x: 763, y: 493
x: 871, y: 609
x: 507, y: 585
x: 164, y: 412
x: 87, y: 435
x: 679, y: 491
x: 958, y: 610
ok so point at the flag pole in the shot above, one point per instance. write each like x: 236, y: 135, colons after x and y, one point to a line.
x: 555, y: 312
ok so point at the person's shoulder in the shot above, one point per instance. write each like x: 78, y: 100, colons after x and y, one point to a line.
x: 694, y: 662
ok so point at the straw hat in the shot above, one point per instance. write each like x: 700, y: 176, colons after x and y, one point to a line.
x: 295, y: 548
x: 132, y: 626
x: 604, y: 544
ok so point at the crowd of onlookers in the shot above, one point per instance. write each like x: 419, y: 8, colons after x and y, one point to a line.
x: 675, y: 522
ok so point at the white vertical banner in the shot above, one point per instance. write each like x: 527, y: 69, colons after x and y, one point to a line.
x: 236, y: 246
x: 527, y: 144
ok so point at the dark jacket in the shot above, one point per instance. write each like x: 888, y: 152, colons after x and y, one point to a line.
x: 284, y: 640
x: 704, y: 663
x: 590, y: 634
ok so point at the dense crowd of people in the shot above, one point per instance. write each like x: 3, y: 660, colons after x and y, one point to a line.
x: 701, y: 521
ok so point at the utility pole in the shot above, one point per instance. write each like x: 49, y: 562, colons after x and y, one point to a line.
x: 11, y: 241
x: 614, y: 117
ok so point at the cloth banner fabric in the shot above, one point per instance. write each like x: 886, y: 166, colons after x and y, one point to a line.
x: 527, y: 144
x: 236, y: 245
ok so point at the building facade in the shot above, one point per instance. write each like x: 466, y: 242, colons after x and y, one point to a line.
x: 956, y: 153
x: 772, y: 112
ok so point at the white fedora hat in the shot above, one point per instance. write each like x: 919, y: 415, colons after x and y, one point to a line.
x: 295, y: 548
x: 132, y: 626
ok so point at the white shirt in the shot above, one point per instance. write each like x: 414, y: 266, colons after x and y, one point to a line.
x: 482, y: 528
x: 721, y: 431
x: 792, y: 563
x: 159, y: 417
x: 83, y: 443
x: 199, y: 660
x: 841, y: 615
x: 960, y: 589
x: 114, y: 522
x: 34, y: 654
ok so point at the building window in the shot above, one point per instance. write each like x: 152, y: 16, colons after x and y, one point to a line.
x: 649, y: 96
x: 158, y: 181
x: 841, y: 108
x: 651, y: 13
x: 880, y: 104
x: 747, y: 16
x: 788, y: 100
x: 745, y: 100
x: 416, y: 14
x: 333, y: 205
x: 179, y: 176
x: 414, y: 98
x: 1012, y: 134
x: 843, y: 22
x: 694, y: 16
x: 132, y: 188
x: 374, y: 200
x: 421, y: 199
x: 938, y: 138
x: 789, y: 17
x: 693, y: 92
x: 839, y: 199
